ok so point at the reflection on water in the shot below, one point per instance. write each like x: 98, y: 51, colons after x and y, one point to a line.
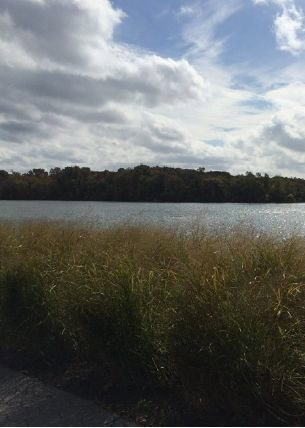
x: 272, y: 218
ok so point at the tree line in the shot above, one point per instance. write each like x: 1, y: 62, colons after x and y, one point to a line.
x: 148, y: 184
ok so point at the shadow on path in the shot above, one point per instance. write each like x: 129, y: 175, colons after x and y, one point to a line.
x: 25, y: 401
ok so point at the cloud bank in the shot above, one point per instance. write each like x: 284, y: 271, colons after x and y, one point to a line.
x: 73, y: 93
x: 65, y: 82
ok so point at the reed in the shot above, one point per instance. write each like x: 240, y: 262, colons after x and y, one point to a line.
x: 216, y: 318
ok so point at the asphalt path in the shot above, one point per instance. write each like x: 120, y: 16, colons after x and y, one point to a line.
x: 25, y: 401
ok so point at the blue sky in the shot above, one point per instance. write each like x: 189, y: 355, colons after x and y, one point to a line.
x: 152, y: 25
x: 158, y: 26
x: 185, y: 83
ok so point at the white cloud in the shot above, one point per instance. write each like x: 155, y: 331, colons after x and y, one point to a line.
x: 289, y: 26
x: 199, y: 33
x: 289, y: 30
x: 276, y: 144
x: 187, y: 10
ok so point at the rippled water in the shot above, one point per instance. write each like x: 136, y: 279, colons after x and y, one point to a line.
x: 272, y: 218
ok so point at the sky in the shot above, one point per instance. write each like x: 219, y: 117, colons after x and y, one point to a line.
x: 107, y: 84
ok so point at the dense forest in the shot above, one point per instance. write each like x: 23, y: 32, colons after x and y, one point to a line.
x: 149, y: 184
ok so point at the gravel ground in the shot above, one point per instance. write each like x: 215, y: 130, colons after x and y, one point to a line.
x: 25, y: 401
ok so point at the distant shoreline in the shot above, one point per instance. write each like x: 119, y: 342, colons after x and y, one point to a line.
x: 149, y: 184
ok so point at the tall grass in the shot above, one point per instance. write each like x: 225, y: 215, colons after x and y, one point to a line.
x: 218, y: 319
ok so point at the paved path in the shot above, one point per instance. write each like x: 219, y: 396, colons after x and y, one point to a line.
x: 28, y: 402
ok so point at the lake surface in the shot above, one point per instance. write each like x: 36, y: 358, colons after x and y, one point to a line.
x: 272, y: 218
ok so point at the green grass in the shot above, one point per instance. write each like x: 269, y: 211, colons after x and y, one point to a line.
x: 214, y: 319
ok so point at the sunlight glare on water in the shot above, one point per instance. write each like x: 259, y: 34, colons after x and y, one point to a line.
x: 283, y: 219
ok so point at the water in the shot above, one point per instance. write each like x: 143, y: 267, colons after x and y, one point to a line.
x: 281, y: 219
